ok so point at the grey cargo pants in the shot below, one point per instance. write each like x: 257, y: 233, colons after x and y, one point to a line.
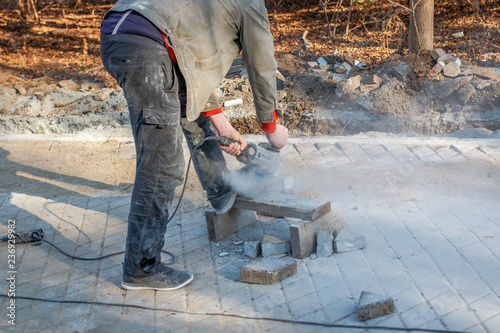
x: 155, y: 92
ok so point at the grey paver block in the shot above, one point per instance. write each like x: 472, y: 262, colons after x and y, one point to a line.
x: 303, y: 234
x: 372, y: 306
x: 272, y: 245
x: 324, y: 243
x: 252, y: 249
x: 223, y: 225
x: 347, y: 241
x: 268, y: 270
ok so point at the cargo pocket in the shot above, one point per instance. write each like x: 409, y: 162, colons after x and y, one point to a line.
x: 161, y: 117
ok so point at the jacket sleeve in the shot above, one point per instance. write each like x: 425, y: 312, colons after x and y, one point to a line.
x: 258, y: 55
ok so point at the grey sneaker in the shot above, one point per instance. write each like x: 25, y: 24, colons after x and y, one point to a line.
x: 165, y: 278
x: 223, y: 203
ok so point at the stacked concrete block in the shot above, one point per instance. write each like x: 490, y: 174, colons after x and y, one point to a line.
x: 438, y: 67
x: 373, y: 306
x: 272, y: 246
x: 268, y: 270
x: 348, y: 241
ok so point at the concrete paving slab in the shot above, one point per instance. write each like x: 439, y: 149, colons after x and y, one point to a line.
x: 427, y: 206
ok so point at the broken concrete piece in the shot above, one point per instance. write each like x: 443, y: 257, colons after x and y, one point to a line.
x: 366, y: 88
x: 252, y: 249
x: 272, y: 246
x: 373, y: 79
x: 337, y: 66
x: 465, y: 93
x: 348, y: 86
x: 303, y: 233
x: 312, y: 64
x: 364, y: 103
x: 268, y: 270
x: 438, y: 67
x: 449, y: 87
x: 485, y: 73
x: 321, y: 61
x: 324, y: 243
x: 279, y: 76
x: 223, y: 225
x: 452, y: 69
x: 68, y: 84
x: 401, y: 71
x: 349, y: 60
x: 347, y: 66
x: 336, y: 77
x: 233, y: 102
x: 373, y: 306
x: 437, y: 53
x: 348, y: 241
x: 446, y: 58
x: 324, y: 67
x: 458, y: 34
x: 320, y: 73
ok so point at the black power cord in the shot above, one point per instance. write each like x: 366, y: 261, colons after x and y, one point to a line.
x: 36, y: 236
x: 226, y: 314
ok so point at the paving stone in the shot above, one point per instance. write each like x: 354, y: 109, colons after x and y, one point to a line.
x: 252, y: 249
x: 303, y: 234
x: 272, y: 246
x: 347, y: 241
x: 372, y: 306
x: 223, y: 225
x: 268, y: 271
x: 324, y: 243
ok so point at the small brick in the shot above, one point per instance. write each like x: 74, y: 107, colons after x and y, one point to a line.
x: 252, y: 249
x: 372, y: 306
x: 324, y: 243
x: 437, y: 53
x: 268, y: 271
x: 273, y: 246
x: 438, y: 67
x: 348, y: 241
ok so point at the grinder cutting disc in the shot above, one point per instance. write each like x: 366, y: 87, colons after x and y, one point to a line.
x: 262, y: 158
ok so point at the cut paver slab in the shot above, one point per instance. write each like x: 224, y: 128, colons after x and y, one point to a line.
x: 372, y: 306
x: 223, y: 225
x: 272, y: 245
x: 252, y: 249
x: 286, y: 205
x: 268, y: 270
x: 303, y: 233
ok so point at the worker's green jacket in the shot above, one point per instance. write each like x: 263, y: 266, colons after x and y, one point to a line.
x: 206, y: 36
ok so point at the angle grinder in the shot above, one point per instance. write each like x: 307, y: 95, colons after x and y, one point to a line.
x: 262, y: 158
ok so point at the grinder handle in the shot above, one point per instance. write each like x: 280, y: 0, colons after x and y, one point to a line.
x: 224, y: 140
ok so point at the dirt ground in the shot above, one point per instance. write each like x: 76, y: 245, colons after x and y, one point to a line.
x: 52, y: 81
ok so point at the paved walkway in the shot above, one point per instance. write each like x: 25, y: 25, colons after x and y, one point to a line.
x: 429, y: 209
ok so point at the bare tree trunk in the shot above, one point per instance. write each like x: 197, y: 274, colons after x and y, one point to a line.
x: 22, y: 8
x: 421, y: 34
x: 348, y: 20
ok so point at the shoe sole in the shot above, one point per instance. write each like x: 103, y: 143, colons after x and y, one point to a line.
x: 135, y: 287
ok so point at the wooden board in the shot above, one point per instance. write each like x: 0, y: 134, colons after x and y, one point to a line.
x: 303, y: 233
x: 280, y: 204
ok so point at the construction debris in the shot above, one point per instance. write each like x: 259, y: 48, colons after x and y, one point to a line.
x: 272, y: 246
x: 373, y: 306
x: 268, y: 270
x: 324, y: 243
